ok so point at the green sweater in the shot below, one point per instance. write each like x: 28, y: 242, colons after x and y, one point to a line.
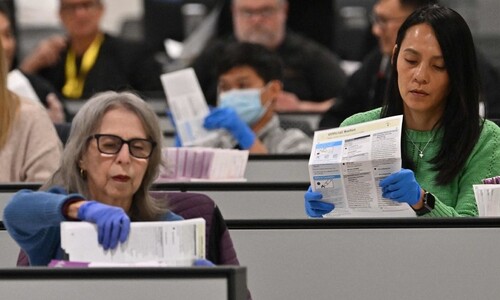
x: 457, y: 197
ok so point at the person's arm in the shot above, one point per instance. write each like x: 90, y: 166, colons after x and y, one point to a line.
x: 32, y: 219
x: 43, y: 148
x: 483, y: 163
x: 289, y: 102
x: 358, y: 95
x: 46, y: 54
x: 228, y: 119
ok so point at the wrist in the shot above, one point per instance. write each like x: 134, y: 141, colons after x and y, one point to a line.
x: 246, y: 137
x: 420, y: 202
x: 71, y: 207
x: 428, y: 204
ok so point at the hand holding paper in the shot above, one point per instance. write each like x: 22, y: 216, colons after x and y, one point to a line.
x: 314, y: 206
x: 201, y: 262
x: 401, y: 187
x: 228, y: 119
x: 112, y: 222
x: 177, y: 138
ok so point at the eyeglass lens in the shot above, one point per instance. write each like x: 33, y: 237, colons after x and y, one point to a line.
x: 112, y: 144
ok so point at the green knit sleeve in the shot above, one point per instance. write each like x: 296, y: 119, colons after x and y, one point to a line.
x: 362, y: 117
x: 483, y: 162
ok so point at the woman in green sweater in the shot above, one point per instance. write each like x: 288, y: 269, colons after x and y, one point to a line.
x: 446, y: 146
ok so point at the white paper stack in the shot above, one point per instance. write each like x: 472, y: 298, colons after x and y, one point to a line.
x: 487, y: 199
x: 187, y: 104
x: 176, y: 243
x: 195, y: 164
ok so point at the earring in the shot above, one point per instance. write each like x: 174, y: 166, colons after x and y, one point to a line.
x: 83, y: 173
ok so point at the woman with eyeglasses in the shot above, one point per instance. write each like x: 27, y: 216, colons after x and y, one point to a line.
x: 110, y: 160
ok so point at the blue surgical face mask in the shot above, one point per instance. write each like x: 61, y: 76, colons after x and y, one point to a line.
x: 245, y: 102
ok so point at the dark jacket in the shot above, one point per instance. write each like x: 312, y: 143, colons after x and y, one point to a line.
x: 120, y: 65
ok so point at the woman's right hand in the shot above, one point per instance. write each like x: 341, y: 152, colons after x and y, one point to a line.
x: 113, y: 224
x: 316, y: 208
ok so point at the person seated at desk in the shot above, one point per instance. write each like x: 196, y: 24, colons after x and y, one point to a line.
x: 249, y: 84
x: 312, y: 73
x: 446, y: 146
x: 365, y: 89
x: 29, y: 146
x: 111, y: 158
x: 88, y: 60
x: 44, y: 91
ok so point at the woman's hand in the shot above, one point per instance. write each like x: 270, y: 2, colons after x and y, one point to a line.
x: 402, y: 187
x: 113, y: 224
x: 314, y: 206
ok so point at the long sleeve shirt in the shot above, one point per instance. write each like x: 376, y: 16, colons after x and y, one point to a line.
x: 33, y: 149
x: 457, y: 197
x: 33, y: 220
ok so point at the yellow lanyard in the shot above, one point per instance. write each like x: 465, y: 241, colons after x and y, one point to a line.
x: 73, y: 88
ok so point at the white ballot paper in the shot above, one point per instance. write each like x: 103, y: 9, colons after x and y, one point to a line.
x: 174, y: 243
x: 347, y: 164
x: 188, y: 107
x: 487, y: 199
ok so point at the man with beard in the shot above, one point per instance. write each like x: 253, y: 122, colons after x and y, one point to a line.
x: 312, y: 73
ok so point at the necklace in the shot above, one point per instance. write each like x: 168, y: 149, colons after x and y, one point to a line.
x: 420, y: 151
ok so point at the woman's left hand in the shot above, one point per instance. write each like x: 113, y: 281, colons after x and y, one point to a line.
x: 201, y: 262
x: 401, y: 187
x: 113, y: 224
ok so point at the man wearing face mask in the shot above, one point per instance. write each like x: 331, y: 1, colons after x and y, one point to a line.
x: 249, y: 82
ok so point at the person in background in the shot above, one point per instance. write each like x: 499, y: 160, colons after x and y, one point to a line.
x: 29, y: 146
x: 111, y: 158
x: 312, y: 74
x: 88, y: 60
x: 249, y: 85
x: 44, y: 91
x: 366, y: 88
x: 446, y: 146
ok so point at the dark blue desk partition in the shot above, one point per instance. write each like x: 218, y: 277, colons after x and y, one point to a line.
x: 216, y: 283
x: 414, y: 258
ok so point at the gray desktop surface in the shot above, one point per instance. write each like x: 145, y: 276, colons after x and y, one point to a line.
x: 370, y: 259
x: 215, y: 283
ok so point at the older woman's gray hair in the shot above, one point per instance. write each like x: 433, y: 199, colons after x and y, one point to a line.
x: 85, y: 123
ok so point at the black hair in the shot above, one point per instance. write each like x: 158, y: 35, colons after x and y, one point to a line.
x: 460, y: 122
x: 4, y: 9
x: 414, y: 4
x: 265, y: 62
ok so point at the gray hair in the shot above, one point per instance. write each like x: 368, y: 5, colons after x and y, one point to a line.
x: 85, y: 123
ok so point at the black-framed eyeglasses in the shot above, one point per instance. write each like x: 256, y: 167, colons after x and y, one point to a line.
x: 112, y: 144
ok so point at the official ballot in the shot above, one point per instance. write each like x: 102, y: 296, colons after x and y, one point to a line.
x: 347, y: 164
x: 175, y: 243
x: 188, y: 106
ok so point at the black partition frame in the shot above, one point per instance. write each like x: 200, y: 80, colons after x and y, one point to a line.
x: 365, y: 223
x: 235, y: 276
x: 191, y: 186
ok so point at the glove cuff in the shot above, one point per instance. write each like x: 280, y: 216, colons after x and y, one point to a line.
x: 82, y: 210
x: 246, y: 138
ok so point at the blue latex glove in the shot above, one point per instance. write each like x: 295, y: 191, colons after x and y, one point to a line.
x: 401, y: 187
x: 314, y: 206
x: 113, y: 224
x: 228, y: 119
x: 200, y: 262
x: 177, y: 139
